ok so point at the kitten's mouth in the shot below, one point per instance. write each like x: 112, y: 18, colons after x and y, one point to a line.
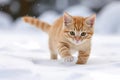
x: 77, y: 42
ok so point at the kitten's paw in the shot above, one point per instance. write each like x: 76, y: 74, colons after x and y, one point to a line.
x: 69, y: 60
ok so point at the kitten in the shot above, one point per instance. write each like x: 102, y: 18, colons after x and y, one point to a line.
x: 67, y: 34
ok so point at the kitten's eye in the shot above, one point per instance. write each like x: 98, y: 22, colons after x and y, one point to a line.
x: 83, y: 33
x: 72, y: 33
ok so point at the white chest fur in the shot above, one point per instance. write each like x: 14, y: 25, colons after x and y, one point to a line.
x: 72, y: 51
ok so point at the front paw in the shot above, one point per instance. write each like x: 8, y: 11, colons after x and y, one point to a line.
x: 81, y: 62
x: 69, y: 59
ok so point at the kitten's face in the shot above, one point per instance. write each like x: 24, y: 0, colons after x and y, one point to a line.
x: 78, y: 29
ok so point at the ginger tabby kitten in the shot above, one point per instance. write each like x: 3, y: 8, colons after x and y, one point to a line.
x: 67, y: 34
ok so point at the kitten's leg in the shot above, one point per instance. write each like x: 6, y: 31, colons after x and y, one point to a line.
x: 83, y: 57
x: 64, y: 52
x: 53, y: 55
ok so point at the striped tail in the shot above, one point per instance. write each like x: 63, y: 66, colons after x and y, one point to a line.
x: 39, y: 24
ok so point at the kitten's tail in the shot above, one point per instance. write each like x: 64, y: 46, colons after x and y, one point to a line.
x: 39, y: 24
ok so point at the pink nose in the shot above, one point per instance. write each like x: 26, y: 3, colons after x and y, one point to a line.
x: 77, y: 38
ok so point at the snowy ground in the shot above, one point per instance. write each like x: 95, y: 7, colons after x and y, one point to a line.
x: 24, y: 53
x: 25, y: 56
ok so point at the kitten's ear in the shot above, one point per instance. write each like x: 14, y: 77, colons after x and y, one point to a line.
x: 90, y: 20
x: 67, y: 19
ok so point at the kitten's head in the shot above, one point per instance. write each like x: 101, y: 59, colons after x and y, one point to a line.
x: 78, y: 29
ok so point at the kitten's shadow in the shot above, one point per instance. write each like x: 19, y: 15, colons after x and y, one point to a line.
x: 55, y: 63
x: 91, y: 62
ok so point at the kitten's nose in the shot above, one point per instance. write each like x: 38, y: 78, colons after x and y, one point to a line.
x: 77, y: 38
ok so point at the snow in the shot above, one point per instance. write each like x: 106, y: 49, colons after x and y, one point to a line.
x: 24, y: 53
x: 2, y: 2
x: 21, y: 26
x: 79, y: 10
x: 108, y: 19
x: 96, y: 4
x: 49, y: 16
x: 5, y: 20
x: 26, y: 57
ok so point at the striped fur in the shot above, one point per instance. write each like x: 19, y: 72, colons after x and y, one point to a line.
x: 60, y: 39
x: 39, y: 24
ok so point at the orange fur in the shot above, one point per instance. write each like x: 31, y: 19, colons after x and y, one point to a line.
x: 39, y: 24
x: 67, y: 34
